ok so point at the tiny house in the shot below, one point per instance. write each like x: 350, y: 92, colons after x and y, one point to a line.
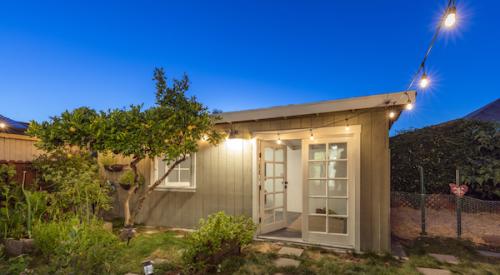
x: 316, y: 173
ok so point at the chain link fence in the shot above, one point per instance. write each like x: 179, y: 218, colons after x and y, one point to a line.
x: 479, y: 219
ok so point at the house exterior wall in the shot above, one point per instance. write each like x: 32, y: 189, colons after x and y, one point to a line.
x: 224, y: 176
x: 17, y: 148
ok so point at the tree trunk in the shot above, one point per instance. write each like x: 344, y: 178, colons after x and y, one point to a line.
x: 151, y: 188
x: 128, y: 217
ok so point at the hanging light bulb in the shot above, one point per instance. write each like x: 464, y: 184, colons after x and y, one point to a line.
x: 451, y: 17
x: 392, y: 114
x: 279, y: 139
x: 409, y: 105
x: 424, y: 81
x: 3, y: 125
x: 347, y: 128
x: 311, y: 137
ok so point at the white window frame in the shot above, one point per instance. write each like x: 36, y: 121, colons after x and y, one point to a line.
x: 176, y: 186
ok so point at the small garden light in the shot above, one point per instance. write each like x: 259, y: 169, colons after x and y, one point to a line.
x: 148, y: 267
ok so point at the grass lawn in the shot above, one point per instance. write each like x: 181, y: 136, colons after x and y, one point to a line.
x: 165, y: 249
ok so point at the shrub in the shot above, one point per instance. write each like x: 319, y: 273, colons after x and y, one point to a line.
x: 72, y: 246
x: 218, y: 236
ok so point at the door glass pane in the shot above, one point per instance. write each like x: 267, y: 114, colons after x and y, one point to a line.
x: 185, y: 175
x: 268, y: 200
x: 278, y: 199
x: 279, y: 155
x: 317, y: 206
x: 268, y: 186
x: 317, y: 188
x: 317, y: 151
x: 337, y: 151
x: 337, y: 225
x: 279, y: 214
x: 279, y: 169
x: 269, y: 170
x: 337, y: 169
x: 317, y: 223
x: 278, y: 184
x: 268, y: 154
x: 337, y: 206
x: 337, y: 188
x: 268, y: 216
x: 317, y: 169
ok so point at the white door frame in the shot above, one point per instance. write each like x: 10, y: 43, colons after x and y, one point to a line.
x: 353, y: 132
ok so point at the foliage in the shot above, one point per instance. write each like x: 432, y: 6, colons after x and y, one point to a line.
x: 171, y: 130
x: 128, y: 178
x: 20, y: 208
x: 71, y: 246
x: 471, y: 146
x: 218, y: 236
x: 73, y: 182
x: 107, y: 159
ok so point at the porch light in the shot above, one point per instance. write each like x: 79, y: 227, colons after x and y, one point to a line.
x: 451, y: 17
x: 347, y: 127
x: 311, y: 137
x: 204, y: 138
x: 424, y: 81
x: 279, y: 139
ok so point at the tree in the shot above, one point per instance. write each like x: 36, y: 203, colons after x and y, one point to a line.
x: 170, y: 130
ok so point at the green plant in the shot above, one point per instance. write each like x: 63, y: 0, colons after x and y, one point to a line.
x: 74, y: 184
x: 128, y: 178
x: 171, y: 129
x: 107, y: 159
x: 217, y: 237
x: 71, y: 246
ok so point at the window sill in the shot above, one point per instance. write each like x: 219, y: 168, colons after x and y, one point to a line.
x: 176, y: 189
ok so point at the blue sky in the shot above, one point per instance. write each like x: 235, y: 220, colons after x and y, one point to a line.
x: 244, y: 54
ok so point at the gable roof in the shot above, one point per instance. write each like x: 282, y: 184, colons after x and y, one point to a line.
x: 13, y: 126
x: 489, y: 112
x: 354, y: 103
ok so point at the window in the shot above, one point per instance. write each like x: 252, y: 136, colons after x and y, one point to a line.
x: 183, y: 176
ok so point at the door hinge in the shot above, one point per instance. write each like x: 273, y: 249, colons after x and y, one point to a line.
x: 260, y: 220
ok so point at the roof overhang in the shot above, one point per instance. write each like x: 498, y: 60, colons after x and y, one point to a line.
x: 354, y: 103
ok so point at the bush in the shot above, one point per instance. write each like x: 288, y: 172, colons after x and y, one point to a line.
x: 471, y: 146
x: 218, y: 236
x: 75, y: 247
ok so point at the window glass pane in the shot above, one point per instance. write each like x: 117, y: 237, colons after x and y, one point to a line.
x: 185, y: 176
x: 268, y: 201
x: 337, y: 151
x: 268, y: 216
x: 174, y: 176
x: 268, y: 154
x: 317, y: 206
x: 317, y: 188
x: 317, y: 169
x: 337, y: 169
x: 337, y: 225
x: 278, y: 199
x: 279, y: 214
x: 278, y: 184
x: 337, y: 206
x: 317, y: 151
x: 186, y: 163
x: 279, y: 169
x: 337, y: 188
x: 317, y: 223
x: 269, y: 170
x: 279, y: 155
x: 268, y: 185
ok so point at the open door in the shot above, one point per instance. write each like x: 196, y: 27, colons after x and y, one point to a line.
x: 272, y: 186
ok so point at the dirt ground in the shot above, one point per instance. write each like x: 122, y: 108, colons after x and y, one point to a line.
x: 480, y: 228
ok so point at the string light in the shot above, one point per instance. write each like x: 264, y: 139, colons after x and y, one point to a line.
x: 3, y: 125
x: 279, y: 139
x: 347, y: 128
x: 451, y: 17
x: 311, y: 137
x: 409, y: 105
x: 392, y: 114
x: 424, y: 81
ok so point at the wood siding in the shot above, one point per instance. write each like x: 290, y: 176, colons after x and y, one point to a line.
x: 17, y: 148
x: 224, y: 176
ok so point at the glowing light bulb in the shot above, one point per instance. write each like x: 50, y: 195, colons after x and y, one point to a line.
x: 451, y: 17
x: 347, y: 128
x: 279, y: 141
x: 311, y: 137
x: 392, y: 114
x: 204, y: 138
x: 424, y: 81
x: 3, y: 125
x: 409, y: 106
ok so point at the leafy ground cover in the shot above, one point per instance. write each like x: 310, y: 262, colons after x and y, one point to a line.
x: 166, y: 247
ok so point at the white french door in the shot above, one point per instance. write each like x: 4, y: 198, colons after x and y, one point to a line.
x: 272, y: 186
x: 329, y: 191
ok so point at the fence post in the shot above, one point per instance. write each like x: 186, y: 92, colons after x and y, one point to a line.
x: 459, y: 207
x: 422, y: 200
